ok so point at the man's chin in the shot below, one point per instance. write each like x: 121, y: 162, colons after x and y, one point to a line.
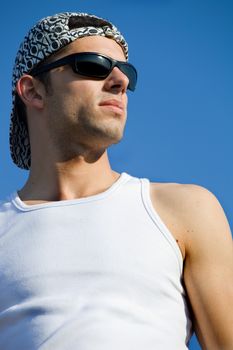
x: 111, y: 140
x: 109, y: 133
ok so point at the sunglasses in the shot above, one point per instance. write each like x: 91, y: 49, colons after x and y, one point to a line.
x: 91, y: 64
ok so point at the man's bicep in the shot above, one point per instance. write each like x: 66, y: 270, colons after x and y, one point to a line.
x: 208, y: 271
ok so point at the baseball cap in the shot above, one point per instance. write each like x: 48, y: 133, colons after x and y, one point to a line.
x: 46, y: 37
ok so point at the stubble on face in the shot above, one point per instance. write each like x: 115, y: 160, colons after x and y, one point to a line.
x: 83, y: 129
x: 108, y: 128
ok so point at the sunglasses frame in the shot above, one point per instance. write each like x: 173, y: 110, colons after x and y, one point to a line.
x: 73, y: 59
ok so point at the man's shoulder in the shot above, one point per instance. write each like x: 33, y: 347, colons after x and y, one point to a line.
x: 183, y: 198
x: 5, y: 205
x: 190, y: 211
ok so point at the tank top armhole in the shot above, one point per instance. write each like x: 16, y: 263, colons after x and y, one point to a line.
x: 146, y: 199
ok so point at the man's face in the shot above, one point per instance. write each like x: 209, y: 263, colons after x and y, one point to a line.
x: 86, y: 111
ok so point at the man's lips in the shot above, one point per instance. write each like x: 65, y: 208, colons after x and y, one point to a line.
x: 112, y: 103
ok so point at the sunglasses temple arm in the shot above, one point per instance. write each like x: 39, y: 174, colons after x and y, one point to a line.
x: 49, y: 66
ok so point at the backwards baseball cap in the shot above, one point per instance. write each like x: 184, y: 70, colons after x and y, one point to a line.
x: 48, y: 36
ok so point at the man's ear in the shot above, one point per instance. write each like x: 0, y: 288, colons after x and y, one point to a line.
x: 31, y: 91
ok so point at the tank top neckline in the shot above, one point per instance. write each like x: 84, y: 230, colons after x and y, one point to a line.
x: 19, y: 204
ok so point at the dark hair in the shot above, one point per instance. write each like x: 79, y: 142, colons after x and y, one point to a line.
x: 74, y: 22
x: 87, y: 21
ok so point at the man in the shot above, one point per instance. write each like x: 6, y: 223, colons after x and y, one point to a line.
x: 93, y: 259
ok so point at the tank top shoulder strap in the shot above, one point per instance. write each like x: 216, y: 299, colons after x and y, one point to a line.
x: 154, y: 216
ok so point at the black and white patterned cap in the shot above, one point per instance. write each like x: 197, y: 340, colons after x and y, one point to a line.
x: 48, y: 36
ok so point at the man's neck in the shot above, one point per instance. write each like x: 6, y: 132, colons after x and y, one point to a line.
x: 76, y: 178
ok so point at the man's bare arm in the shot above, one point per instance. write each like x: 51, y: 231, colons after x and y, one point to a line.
x: 199, y: 225
x: 208, y: 269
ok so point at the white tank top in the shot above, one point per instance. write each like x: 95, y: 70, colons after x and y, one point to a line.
x: 95, y: 273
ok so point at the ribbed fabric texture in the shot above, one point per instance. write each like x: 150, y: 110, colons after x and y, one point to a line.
x: 96, y: 273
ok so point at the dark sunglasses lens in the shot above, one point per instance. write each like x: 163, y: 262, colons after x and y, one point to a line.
x: 93, y: 66
x: 132, y: 79
x: 131, y: 73
x: 97, y: 66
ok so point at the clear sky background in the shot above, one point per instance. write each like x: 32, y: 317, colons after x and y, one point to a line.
x: 180, y: 118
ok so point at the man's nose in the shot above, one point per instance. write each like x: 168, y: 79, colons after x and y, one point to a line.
x: 117, y: 81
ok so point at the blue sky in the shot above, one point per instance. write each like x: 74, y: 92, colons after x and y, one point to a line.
x: 180, y: 118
